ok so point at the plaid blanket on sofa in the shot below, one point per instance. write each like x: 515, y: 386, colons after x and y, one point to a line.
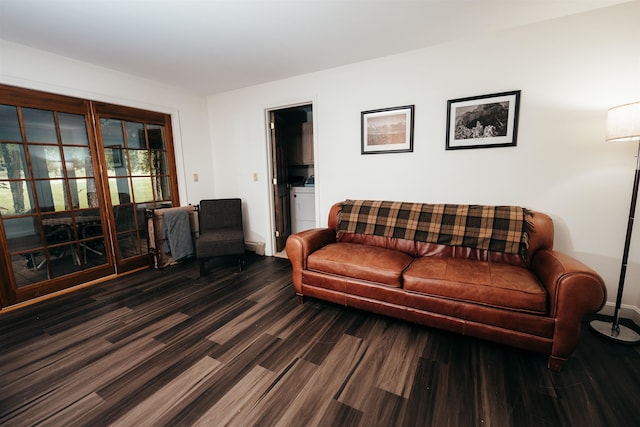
x: 494, y: 228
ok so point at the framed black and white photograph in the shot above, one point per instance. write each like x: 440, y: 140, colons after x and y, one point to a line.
x: 387, y: 130
x: 483, y: 121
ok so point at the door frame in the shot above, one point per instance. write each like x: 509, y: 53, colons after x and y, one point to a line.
x: 271, y: 166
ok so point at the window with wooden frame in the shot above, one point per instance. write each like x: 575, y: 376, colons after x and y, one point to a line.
x: 75, y: 179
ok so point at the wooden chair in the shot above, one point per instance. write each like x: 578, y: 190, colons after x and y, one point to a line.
x: 221, y: 230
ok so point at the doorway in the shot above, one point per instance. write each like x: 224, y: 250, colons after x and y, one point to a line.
x: 293, y: 172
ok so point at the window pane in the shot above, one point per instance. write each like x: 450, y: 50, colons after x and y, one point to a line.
x: 51, y: 195
x: 46, y: 161
x: 135, y: 135
x: 156, y: 137
x: 91, y: 194
x: 15, y: 198
x: 78, y: 161
x: 29, y: 269
x: 120, y: 191
x: 64, y: 260
x: 39, y: 125
x: 22, y: 233
x: 9, y: 125
x: 163, y: 189
x: 94, y: 252
x: 111, y: 132
x: 116, y: 161
x: 142, y: 189
x: 83, y: 193
x: 58, y: 228
x: 89, y: 217
x: 128, y: 245
x: 139, y: 162
x: 159, y: 162
x: 124, y: 218
x: 73, y: 129
x: 142, y: 223
x: 13, y: 163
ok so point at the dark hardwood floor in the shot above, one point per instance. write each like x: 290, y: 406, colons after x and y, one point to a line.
x: 169, y: 348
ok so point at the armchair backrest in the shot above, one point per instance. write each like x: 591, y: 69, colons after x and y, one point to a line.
x: 220, y: 213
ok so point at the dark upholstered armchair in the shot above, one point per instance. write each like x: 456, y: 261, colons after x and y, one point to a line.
x: 221, y: 231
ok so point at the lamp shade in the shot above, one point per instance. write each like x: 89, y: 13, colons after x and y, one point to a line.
x: 623, y: 122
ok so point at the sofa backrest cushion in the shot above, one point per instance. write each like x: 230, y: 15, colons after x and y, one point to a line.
x: 539, y: 230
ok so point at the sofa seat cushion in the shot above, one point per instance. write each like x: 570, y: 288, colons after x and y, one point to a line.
x: 362, y: 262
x: 493, y: 284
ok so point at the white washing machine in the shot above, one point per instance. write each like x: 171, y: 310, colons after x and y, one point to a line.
x: 303, y: 208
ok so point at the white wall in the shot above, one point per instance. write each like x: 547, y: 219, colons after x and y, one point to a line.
x: 34, y: 69
x: 570, y: 71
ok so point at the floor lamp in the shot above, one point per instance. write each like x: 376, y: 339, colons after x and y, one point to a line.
x: 623, y: 124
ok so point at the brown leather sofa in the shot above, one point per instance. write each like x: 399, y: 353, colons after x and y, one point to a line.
x: 535, y: 304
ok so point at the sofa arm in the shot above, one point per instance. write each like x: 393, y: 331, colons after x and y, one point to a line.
x: 573, y: 287
x: 574, y: 290
x: 301, y: 245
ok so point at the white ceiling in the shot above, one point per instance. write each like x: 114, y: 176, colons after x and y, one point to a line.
x: 210, y: 46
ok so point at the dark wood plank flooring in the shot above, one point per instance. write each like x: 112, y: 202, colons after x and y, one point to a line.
x: 170, y: 348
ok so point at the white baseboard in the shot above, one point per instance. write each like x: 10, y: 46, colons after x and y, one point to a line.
x: 257, y: 247
x: 626, y: 312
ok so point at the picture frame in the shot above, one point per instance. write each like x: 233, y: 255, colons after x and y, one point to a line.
x: 483, y: 121
x: 387, y: 130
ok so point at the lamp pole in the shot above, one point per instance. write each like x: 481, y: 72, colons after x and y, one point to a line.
x: 613, y: 330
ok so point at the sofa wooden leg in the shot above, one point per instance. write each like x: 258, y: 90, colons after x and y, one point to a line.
x: 555, y: 363
x: 300, y: 298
